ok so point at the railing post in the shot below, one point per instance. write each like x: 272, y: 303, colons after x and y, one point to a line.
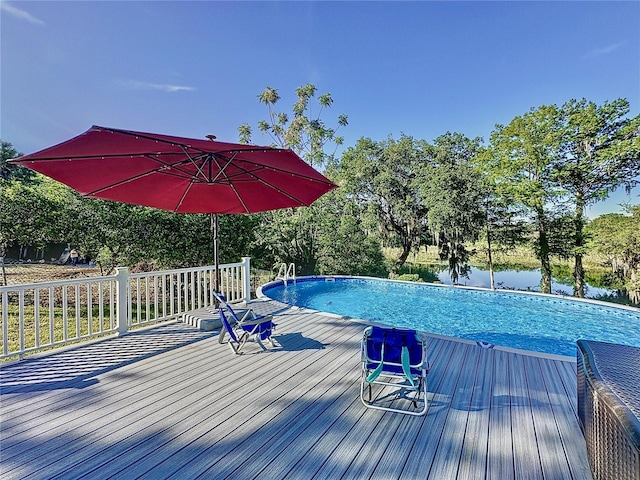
x: 246, y: 277
x: 122, y: 291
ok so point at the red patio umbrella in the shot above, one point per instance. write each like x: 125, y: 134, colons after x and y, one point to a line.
x: 183, y: 175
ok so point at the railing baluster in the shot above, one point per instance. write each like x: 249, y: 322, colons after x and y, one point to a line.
x: 77, y: 301
x: 146, y: 300
x: 52, y: 317
x: 193, y: 293
x: 100, y: 308
x: 89, y: 309
x: 171, y: 290
x: 164, y: 295
x: 5, y: 322
x: 65, y: 314
x: 156, y: 303
x: 36, y: 316
x: 112, y: 306
x: 21, y: 318
x: 138, y: 301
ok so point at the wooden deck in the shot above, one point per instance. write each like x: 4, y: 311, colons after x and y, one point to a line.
x: 171, y: 402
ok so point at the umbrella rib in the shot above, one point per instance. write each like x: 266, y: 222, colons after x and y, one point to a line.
x: 224, y: 173
x: 223, y: 169
x: 194, y: 163
x: 264, y: 182
x: 122, y: 182
x: 184, y: 195
x: 163, y: 169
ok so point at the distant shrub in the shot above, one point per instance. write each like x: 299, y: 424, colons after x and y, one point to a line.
x: 409, y: 277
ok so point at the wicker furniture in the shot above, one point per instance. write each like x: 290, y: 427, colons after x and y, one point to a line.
x: 609, y: 408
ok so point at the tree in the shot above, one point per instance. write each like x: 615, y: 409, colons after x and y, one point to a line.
x: 521, y: 157
x: 381, y: 178
x: 307, y: 134
x: 27, y: 217
x: 504, y: 225
x: 291, y: 235
x: 345, y: 246
x: 9, y: 171
x: 618, y: 237
x: 599, y: 151
x: 451, y: 191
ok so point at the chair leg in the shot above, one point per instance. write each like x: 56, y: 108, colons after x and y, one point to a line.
x: 417, y: 394
x: 365, y: 373
x: 260, y: 343
x: 242, y: 340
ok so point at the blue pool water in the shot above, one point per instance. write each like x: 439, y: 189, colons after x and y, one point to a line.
x: 518, y: 320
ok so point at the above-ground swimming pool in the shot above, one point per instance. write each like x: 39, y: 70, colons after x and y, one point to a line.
x: 541, y: 323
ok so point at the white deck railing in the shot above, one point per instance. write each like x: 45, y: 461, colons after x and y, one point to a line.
x: 39, y: 316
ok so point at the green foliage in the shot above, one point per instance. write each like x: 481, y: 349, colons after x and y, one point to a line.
x: 381, y: 177
x: 520, y: 160
x: 409, y: 277
x: 10, y: 171
x: 344, y: 245
x: 120, y: 234
x: 425, y: 273
x: 28, y: 216
x: 294, y: 235
x: 599, y: 150
x: 326, y: 238
x: 452, y: 194
x: 306, y: 133
x: 618, y: 237
x: 553, y: 160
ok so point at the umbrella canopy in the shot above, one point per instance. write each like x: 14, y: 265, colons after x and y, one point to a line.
x: 180, y: 174
x: 183, y: 175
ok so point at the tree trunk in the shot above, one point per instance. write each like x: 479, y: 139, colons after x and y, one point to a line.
x: 406, y: 250
x: 578, y: 270
x: 634, y: 295
x: 578, y: 275
x: 490, y: 257
x: 545, y: 263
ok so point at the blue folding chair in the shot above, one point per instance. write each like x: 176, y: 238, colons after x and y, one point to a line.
x: 243, y: 329
x: 395, y: 359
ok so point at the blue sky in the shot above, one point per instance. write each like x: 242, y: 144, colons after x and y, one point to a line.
x: 196, y: 67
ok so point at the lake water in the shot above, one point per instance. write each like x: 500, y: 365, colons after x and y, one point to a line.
x: 527, y: 280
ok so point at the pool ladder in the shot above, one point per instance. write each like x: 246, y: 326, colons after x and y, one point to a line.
x: 286, y: 273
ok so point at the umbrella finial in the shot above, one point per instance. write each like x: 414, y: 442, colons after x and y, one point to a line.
x: 211, y: 137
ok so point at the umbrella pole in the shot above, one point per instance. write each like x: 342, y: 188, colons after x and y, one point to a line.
x: 214, y: 235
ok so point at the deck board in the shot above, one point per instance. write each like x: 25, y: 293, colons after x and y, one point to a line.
x: 527, y: 462
x: 544, y: 420
x: 446, y: 459
x: 473, y: 458
x: 171, y: 402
